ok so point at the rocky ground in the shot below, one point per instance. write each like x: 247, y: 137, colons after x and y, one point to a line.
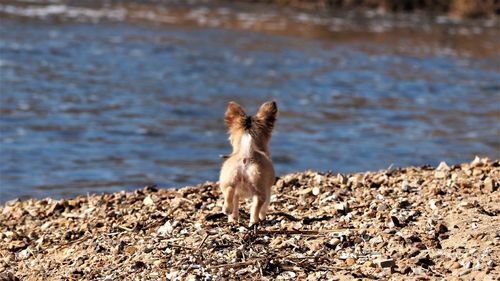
x: 457, y: 8
x: 409, y: 223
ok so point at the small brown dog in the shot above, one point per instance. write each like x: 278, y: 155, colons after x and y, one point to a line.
x: 248, y: 171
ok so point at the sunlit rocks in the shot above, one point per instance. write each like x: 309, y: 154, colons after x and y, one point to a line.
x: 401, y: 224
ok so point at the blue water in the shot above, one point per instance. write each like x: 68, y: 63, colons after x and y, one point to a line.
x: 110, y: 106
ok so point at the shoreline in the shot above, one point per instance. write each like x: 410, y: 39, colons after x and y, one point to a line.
x: 413, y: 222
x: 454, y: 8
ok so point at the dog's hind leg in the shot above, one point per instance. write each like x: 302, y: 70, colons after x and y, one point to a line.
x: 229, y: 194
x: 257, y: 204
x: 233, y: 217
x: 263, y: 210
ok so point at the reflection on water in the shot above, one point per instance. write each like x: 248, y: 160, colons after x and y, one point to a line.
x: 100, y: 107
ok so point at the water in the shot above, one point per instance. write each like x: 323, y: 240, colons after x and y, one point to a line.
x: 105, y: 105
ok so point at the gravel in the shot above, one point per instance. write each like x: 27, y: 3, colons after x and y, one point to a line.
x: 414, y: 222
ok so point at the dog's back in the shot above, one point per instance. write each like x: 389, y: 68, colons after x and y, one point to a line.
x: 249, y: 171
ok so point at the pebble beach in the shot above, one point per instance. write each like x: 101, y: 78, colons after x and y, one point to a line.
x: 423, y: 223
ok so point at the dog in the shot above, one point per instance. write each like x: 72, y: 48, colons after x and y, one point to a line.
x: 248, y: 172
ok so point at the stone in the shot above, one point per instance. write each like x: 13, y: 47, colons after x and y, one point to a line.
x: 334, y: 241
x: 440, y: 174
x: 476, y: 162
x: 441, y: 228
x: 130, y: 249
x: 179, y: 236
x: 12, y: 202
x: 350, y: 261
x: 477, y: 172
x: 404, y: 203
x: 385, y: 263
x: 466, y: 204
x: 24, y: 254
x: 353, y: 181
x: 423, y: 259
x: 433, y: 204
x: 287, y: 275
x: 316, y: 191
x: 489, y: 185
x: 382, y: 207
x: 405, y: 187
x: 414, y: 252
x: 148, y: 201
x: 406, y: 269
x: 16, y: 245
x: 341, y: 179
x: 304, y: 191
x: 443, y: 166
x: 376, y: 240
x: 8, y: 276
x: 394, y: 222
x: 165, y: 229
x: 342, y: 207
x: 465, y: 272
x: 369, y: 264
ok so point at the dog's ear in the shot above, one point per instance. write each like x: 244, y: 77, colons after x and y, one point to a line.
x: 268, y: 112
x: 234, y: 114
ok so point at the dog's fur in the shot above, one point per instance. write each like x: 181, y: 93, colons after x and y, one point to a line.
x: 248, y: 171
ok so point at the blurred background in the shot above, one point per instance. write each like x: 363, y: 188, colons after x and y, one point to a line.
x: 101, y: 96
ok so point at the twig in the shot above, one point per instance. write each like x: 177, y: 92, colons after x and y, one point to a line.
x: 297, y: 231
x: 236, y: 264
x: 290, y: 197
x: 72, y: 241
x: 257, y: 260
x: 260, y: 269
x: 203, y: 241
x: 329, y: 268
x: 283, y: 214
x: 296, y: 258
x: 187, y: 200
x: 359, y: 206
x: 125, y: 228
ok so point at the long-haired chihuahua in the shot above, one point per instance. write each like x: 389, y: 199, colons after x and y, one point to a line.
x: 248, y: 171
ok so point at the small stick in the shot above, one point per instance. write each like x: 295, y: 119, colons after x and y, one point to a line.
x: 288, y: 216
x: 290, y: 197
x: 72, y: 242
x: 294, y: 231
x: 203, y: 241
x: 359, y: 206
x: 181, y: 247
x: 236, y: 264
x: 260, y: 269
x: 185, y: 199
x: 257, y: 260
x: 125, y: 228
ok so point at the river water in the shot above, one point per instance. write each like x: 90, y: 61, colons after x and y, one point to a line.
x: 106, y: 98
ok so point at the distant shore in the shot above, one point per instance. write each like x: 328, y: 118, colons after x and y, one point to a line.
x: 457, y: 8
x: 414, y: 222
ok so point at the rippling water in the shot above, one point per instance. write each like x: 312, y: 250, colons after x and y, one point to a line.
x: 111, y: 105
